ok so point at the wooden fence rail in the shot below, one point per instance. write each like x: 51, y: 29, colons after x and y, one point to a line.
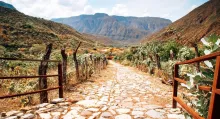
x: 59, y: 75
x: 214, y: 106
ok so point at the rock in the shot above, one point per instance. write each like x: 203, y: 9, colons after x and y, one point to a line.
x: 106, y: 115
x: 139, y: 109
x: 45, y: 115
x: 20, y: 114
x: 112, y: 111
x: 77, y: 108
x: 50, y: 105
x: 127, y: 104
x: 88, y: 103
x: 155, y: 114
x: 64, y: 104
x: 79, y: 117
x: 86, y: 113
x: 58, y: 100
x: 93, y: 109
x: 122, y: 111
x: 150, y: 107
x: 123, y: 116
x: 71, y: 114
x: 12, y: 113
x: 94, y: 115
x: 30, y: 111
x: 104, y: 108
x: 42, y: 109
x: 55, y: 113
x: 175, y: 116
x: 12, y: 117
x: 160, y: 110
x: 175, y: 111
x: 42, y: 105
x: 28, y: 116
x: 137, y: 113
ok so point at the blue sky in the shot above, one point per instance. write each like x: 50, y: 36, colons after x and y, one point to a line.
x: 170, y: 9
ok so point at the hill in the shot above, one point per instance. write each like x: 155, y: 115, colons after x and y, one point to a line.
x: 200, y: 22
x: 6, y: 5
x: 19, y: 31
x: 115, y: 27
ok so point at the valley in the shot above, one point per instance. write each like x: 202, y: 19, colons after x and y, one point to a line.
x: 107, y: 66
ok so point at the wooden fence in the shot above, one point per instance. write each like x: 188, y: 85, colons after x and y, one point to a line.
x: 59, y: 75
x: 214, y: 107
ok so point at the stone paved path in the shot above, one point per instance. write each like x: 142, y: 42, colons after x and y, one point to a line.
x: 119, y: 93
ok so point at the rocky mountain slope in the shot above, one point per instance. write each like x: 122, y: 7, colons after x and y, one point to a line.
x: 200, y: 22
x: 115, y: 27
x: 6, y: 5
x: 19, y: 31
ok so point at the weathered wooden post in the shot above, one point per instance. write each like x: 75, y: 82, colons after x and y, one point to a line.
x: 175, y: 84
x: 60, y: 80
x: 86, y: 68
x: 76, y: 62
x: 64, y: 63
x: 42, y: 70
x: 94, y: 65
x: 158, y: 61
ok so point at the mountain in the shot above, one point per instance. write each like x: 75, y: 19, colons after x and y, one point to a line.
x: 6, y: 5
x: 202, y: 21
x: 20, y: 31
x: 115, y: 27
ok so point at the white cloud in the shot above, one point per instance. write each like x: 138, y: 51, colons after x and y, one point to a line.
x: 171, y: 9
x: 50, y: 8
x: 146, y: 13
x: 89, y: 10
x: 119, y: 9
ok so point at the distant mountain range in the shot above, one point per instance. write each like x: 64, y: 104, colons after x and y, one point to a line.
x: 6, y: 5
x: 202, y: 21
x: 115, y: 27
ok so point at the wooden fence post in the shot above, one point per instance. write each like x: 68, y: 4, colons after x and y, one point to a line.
x: 158, y: 61
x: 214, y: 105
x: 76, y: 62
x: 60, y: 80
x: 86, y: 68
x: 94, y: 65
x: 175, y: 84
x: 43, y: 71
x: 64, y: 63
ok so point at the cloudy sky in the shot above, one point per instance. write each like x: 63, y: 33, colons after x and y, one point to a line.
x: 170, y: 9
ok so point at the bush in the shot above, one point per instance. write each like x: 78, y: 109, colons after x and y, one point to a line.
x: 185, y: 53
x: 167, y: 47
x: 37, y: 49
x: 2, y: 50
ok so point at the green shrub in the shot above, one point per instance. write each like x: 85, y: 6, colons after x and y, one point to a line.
x: 185, y: 53
x: 2, y: 50
x: 167, y: 47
